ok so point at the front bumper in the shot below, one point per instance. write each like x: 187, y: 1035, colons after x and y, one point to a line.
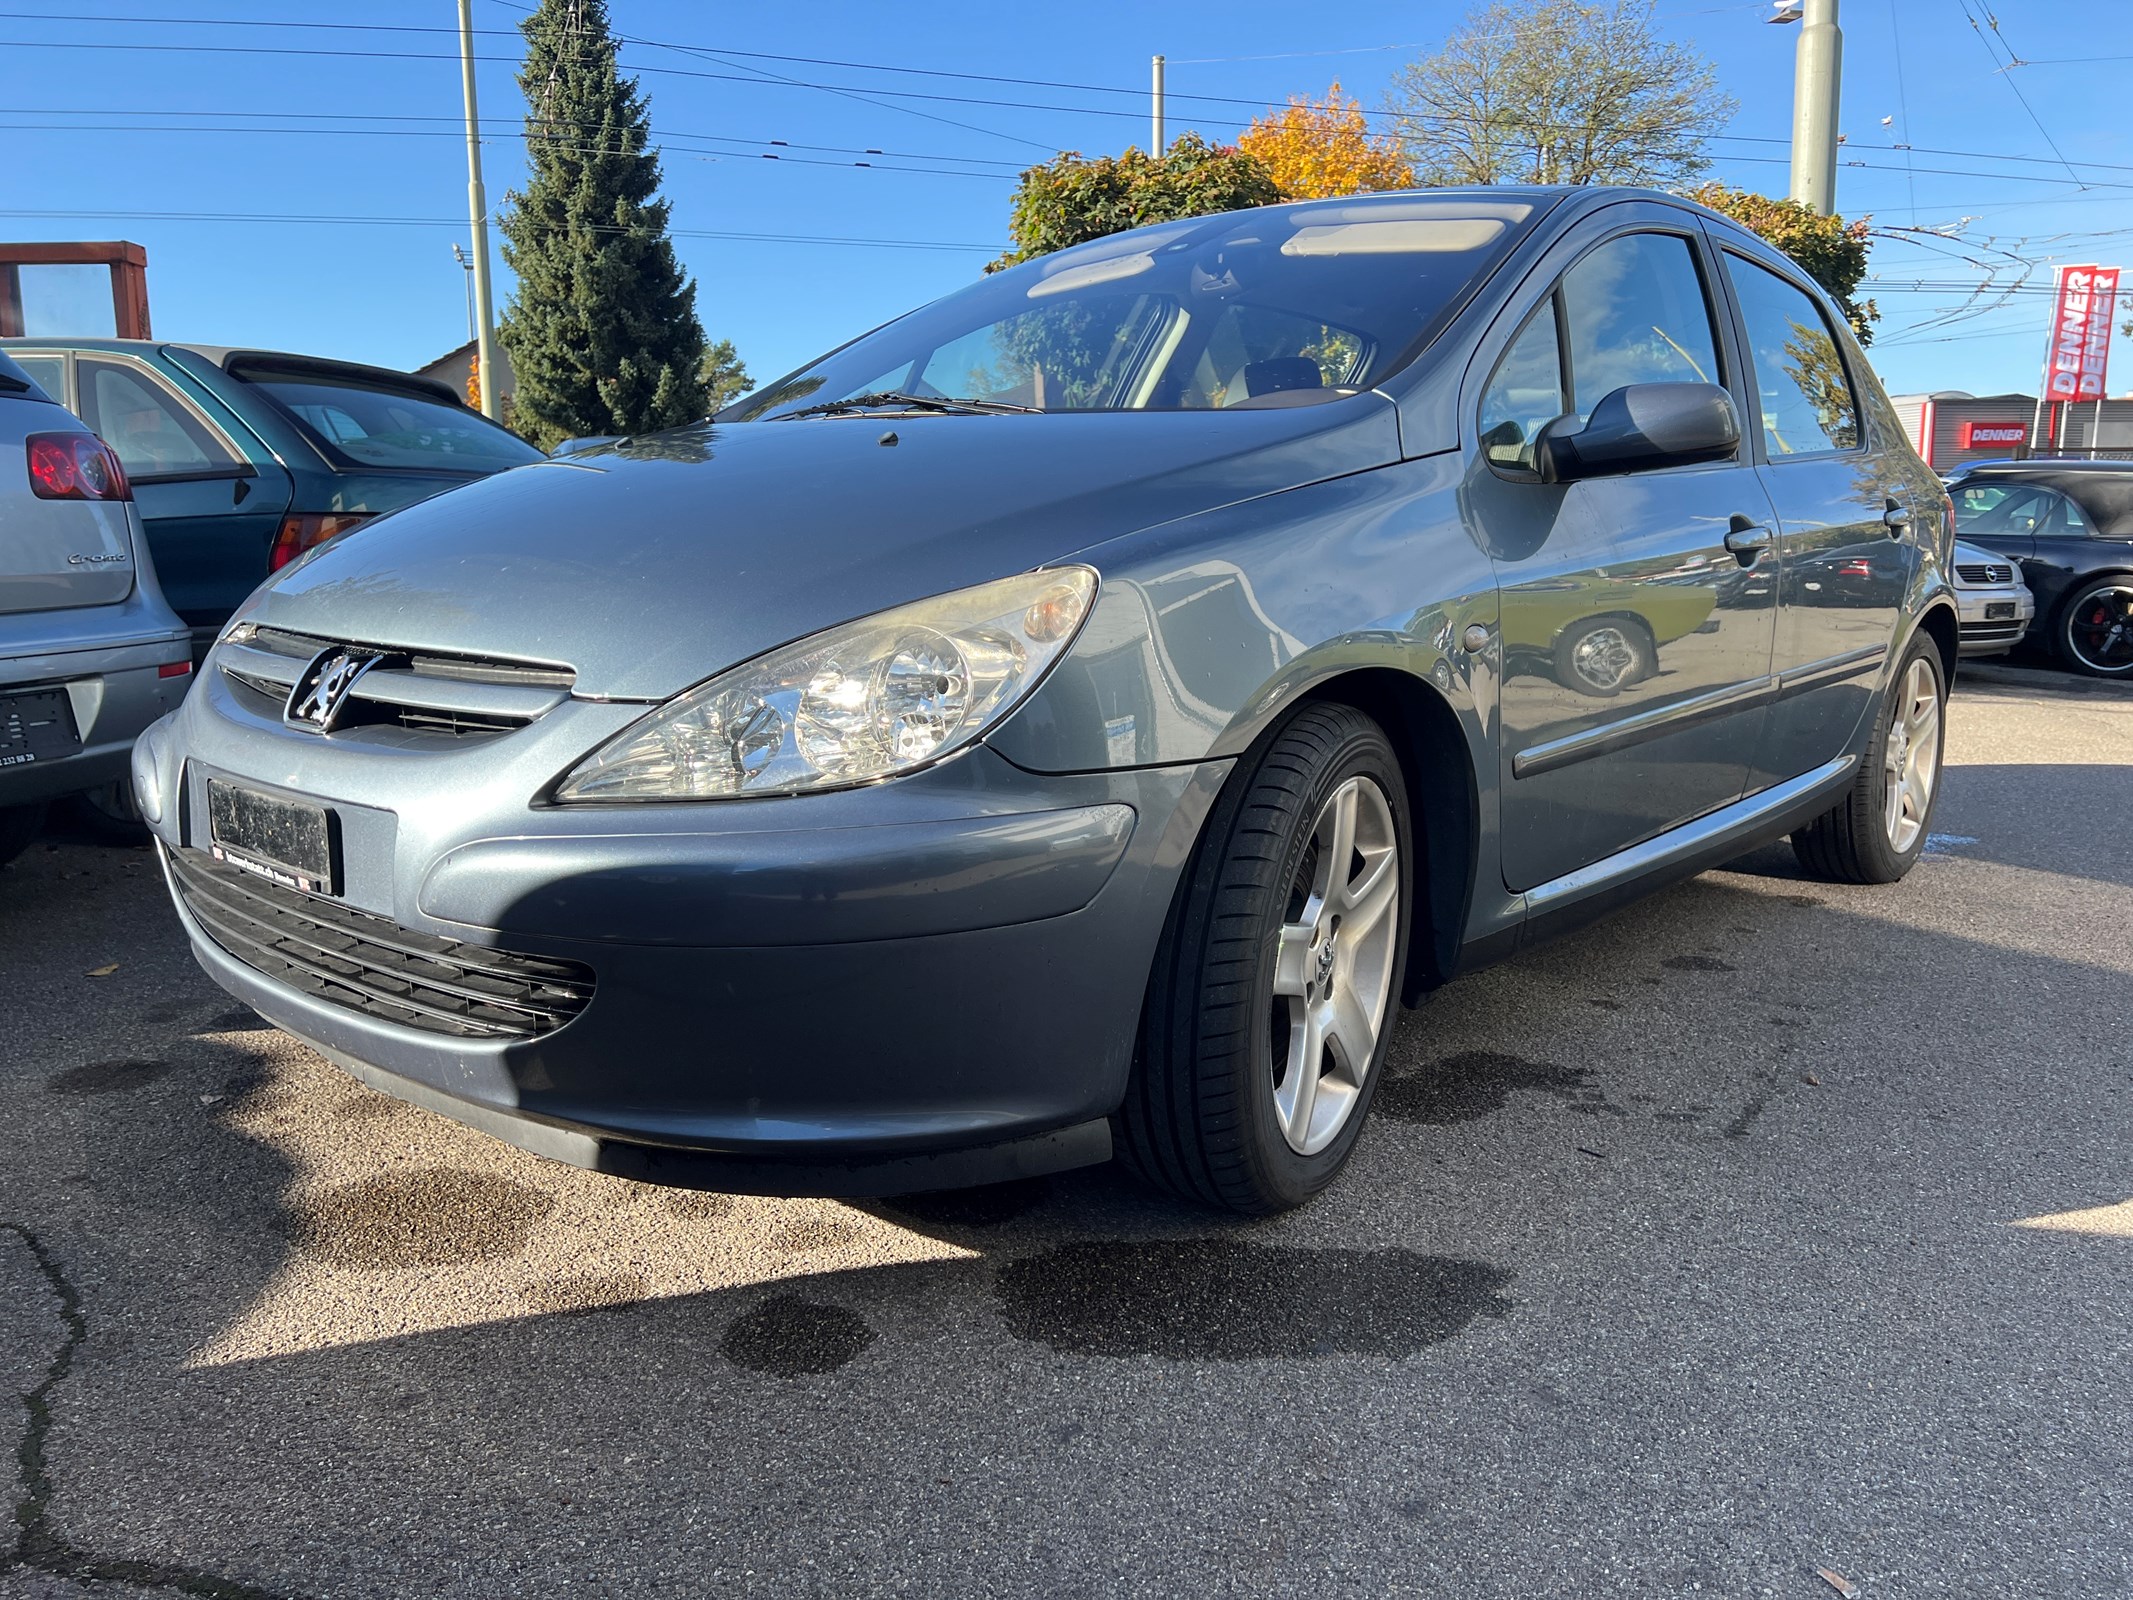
x: 1983, y: 634
x: 932, y: 982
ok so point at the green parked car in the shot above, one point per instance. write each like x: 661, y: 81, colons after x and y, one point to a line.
x: 241, y: 460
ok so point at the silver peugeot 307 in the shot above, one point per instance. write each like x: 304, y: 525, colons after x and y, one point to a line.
x: 1071, y: 718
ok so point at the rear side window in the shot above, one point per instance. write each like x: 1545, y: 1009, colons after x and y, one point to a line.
x: 2021, y: 509
x: 1806, y: 396
x: 48, y: 372
x: 373, y: 425
x: 156, y: 434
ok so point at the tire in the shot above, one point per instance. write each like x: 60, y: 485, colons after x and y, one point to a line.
x: 1223, y: 1108
x: 1856, y: 841
x: 109, y: 814
x: 18, y: 826
x: 1602, y: 656
x: 2095, y: 631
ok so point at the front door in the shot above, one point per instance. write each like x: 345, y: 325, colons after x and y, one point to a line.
x: 1636, y: 642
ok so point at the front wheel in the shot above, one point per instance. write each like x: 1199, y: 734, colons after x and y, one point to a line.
x: 2096, y: 628
x: 1878, y: 831
x: 1271, y: 1006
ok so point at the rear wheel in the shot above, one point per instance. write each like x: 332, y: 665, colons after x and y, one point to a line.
x: 1878, y: 831
x: 2096, y: 628
x: 18, y: 826
x: 109, y: 813
x: 1271, y: 1005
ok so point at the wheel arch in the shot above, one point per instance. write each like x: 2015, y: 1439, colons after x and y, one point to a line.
x: 1940, y: 623
x: 1426, y: 735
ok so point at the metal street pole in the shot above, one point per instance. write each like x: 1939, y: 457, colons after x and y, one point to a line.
x: 467, y: 273
x: 1155, y: 142
x: 1818, y: 69
x: 478, y: 215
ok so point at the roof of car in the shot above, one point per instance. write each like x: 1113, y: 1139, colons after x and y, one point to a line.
x: 2047, y: 464
x: 230, y: 357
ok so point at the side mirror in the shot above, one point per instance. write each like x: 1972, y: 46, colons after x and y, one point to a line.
x: 1638, y: 427
x: 572, y: 447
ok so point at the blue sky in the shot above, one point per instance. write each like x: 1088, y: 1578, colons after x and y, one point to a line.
x: 250, y: 124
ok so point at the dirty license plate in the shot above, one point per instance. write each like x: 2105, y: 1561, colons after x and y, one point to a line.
x: 289, y: 842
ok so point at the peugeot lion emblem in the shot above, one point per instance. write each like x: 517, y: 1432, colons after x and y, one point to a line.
x: 317, y: 697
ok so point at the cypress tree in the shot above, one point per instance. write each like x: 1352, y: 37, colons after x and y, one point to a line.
x: 602, y: 330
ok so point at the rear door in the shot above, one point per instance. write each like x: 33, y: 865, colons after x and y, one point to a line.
x: 1845, y: 511
x: 210, y: 498
x: 1636, y: 643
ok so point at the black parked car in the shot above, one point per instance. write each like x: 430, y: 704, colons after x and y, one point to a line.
x: 2070, y: 525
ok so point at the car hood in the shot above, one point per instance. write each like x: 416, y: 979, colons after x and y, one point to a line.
x: 649, y: 565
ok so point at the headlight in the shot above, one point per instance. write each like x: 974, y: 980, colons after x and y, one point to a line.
x: 867, y: 700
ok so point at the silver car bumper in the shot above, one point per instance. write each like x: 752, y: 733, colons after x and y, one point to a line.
x: 1993, y: 620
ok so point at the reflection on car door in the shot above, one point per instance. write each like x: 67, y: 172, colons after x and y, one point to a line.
x: 209, y: 513
x: 1636, y: 645
x: 1843, y: 565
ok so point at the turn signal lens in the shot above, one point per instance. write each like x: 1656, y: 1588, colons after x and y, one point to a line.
x: 75, y: 466
x: 306, y: 530
x: 868, y: 700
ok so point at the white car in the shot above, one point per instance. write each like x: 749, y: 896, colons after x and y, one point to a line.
x: 1995, y: 604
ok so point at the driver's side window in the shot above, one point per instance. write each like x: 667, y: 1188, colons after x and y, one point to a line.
x: 1633, y: 310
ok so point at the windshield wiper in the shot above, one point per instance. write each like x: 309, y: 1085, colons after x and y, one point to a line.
x: 896, y: 399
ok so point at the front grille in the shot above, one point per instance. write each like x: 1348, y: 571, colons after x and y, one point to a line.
x: 442, y: 697
x: 1995, y: 573
x: 368, y: 964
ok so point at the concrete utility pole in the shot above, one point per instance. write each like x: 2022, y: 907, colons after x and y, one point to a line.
x: 478, y: 214
x: 1155, y: 140
x: 1818, y: 70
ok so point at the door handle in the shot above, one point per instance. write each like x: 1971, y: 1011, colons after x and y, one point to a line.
x: 1897, y: 519
x: 1747, y: 540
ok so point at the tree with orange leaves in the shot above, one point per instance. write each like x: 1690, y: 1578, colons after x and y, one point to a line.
x: 1319, y: 148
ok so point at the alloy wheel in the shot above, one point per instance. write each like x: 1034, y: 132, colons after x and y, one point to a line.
x: 2099, y: 630
x: 1911, y: 765
x: 1333, y: 974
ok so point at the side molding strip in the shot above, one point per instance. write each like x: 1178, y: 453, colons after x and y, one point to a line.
x: 1687, y: 841
x: 1734, y: 697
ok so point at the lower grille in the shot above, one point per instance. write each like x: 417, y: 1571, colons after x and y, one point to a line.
x: 373, y: 966
x: 1992, y: 632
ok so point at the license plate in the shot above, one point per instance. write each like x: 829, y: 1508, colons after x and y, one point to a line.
x: 36, y: 727
x: 291, y: 842
x: 1999, y: 610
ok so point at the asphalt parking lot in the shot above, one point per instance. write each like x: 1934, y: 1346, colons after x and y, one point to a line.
x: 1767, y: 1227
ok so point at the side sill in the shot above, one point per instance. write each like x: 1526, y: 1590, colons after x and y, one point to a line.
x: 1591, y: 892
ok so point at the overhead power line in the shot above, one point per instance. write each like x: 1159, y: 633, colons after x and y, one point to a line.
x: 281, y: 218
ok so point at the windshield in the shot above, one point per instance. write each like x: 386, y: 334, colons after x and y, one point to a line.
x: 373, y: 425
x: 1281, y: 306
